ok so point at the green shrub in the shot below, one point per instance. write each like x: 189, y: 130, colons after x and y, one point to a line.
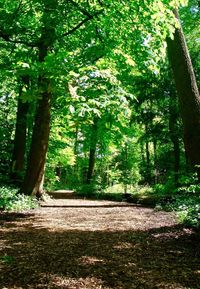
x: 11, y: 201
x: 188, y: 210
x: 186, y: 203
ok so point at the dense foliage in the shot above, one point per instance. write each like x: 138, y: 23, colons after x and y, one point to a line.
x: 97, y: 74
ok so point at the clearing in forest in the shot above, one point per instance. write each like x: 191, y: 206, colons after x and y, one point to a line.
x: 97, y: 244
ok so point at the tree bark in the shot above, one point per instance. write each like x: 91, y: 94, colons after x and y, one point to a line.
x: 93, y: 145
x: 33, y: 181
x: 174, y: 138
x: 34, y: 178
x: 19, y: 149
x: 188, y: 93
x: 39, y: 145
x: 155, y: 162
x: 148, y: 162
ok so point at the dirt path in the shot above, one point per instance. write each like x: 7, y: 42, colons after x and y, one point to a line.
x: 97, y: 244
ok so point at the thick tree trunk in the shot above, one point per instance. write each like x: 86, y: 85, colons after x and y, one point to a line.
x: 188, y: 93
x: 93, y: 145
x: 38, y: 150
x: 33, y: 181
x: 19, y: 149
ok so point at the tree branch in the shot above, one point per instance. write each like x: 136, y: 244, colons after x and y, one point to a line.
x: 81, y: 23
x: 76, y: 27
x: 7, y: 38
x: 83, y: 11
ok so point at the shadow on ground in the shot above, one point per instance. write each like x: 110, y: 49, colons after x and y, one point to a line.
x: 35, y: 257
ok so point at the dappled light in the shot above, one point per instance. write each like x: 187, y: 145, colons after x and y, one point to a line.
x: 118, y: 248
x: 99, y: 144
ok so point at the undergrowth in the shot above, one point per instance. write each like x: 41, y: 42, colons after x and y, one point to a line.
x: 185, y: 201
x: 10, y: 200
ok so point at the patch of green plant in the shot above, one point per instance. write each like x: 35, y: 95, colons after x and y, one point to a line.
x: 166, y: 189
x: 117, y: 197
x: 86, y: 190
x: 186, y: 203
x: 10, y: 200
x: 95, y: 192
x: 6, y: 259
x: 115, y: 189
x: 188, y: 210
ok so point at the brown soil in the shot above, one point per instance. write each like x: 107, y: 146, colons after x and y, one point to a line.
x: 97, y: 244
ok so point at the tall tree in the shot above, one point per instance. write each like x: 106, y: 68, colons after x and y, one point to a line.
x: 18, y: 157
x: 33, y: 181
x: 188, y: 93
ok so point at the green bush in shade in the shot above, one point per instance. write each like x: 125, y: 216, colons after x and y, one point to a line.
x: 10, y: 200
x: 186, y: 203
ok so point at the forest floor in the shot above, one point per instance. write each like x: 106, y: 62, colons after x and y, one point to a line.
x: 87, y: 244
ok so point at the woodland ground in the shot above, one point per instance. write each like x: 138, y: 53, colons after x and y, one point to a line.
x: 97, y: 244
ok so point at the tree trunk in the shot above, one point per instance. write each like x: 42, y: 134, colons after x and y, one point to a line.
x: 76, y: 165
x: 148, y: 162
x: 38, y: 149
x: 174, y: 138
x: 155, y: 162
x: 188, y: 93
x: 91, y: 165
x: 33, y: 181
x: 126, y: 169
x: 93, y: 145
x: 19, y: 149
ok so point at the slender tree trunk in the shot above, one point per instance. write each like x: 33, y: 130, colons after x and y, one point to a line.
x: 93, y: 145
x: 155, y: 162
x: 19, y: 149
x: 188, y: 93
x: 176, y: 147
x: 148, y: 164
x: 174, y: 138
x: 76, y: 167
x: 126, y: 170
x: 142, y: 153
x: 76, y: 140
x: 91, y: 164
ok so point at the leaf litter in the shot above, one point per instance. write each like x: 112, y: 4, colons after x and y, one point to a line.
x: 97, y: 244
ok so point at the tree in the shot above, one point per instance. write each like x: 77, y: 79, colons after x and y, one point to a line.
x: 61, y: 36
x: 33, y: 181
x: 19, y: 149
x: 188, y: 93
x: 101, y: 103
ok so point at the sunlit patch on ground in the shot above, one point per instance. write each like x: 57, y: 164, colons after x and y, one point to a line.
x: 97, y: 247
x: 90, y: 260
